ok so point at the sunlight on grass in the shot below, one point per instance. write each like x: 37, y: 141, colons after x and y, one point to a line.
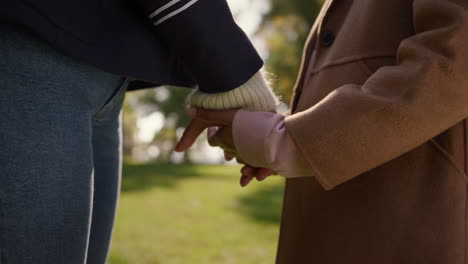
x: 195, y: 214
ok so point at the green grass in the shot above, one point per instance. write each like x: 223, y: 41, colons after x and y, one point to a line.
x: 195, y: 214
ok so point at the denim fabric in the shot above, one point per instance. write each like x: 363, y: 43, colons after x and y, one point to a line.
x: 59, y: 154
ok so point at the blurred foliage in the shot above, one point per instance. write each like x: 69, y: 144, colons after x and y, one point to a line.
x: 128, y: 128
x: 170, y: 102
x: 285, y: 29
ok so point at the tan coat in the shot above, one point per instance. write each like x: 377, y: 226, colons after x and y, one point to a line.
x: 381, y: 120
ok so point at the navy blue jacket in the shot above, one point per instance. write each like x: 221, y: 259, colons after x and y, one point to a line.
x: 155, y: 42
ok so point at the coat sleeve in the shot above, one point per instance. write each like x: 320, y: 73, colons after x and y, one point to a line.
x: 203, y: 33
x: 357, y: 128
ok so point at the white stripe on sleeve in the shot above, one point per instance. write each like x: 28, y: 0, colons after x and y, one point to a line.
x: 189, y: 4
x: 162, y: 8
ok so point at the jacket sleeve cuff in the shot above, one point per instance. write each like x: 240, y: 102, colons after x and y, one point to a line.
x: 255, y: 95
x: 327, y: 175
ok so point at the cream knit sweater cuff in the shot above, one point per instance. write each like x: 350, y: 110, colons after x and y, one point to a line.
x: 254, y: 95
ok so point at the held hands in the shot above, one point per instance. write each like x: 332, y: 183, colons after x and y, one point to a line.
x: 254, y: 95
x: 219, y: 122
x: 219, y: 125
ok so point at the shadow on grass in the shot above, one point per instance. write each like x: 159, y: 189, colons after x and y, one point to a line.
x: 263, y: 205
x: 139, y: 177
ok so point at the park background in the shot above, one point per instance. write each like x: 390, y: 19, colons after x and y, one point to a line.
x: 188, y: 208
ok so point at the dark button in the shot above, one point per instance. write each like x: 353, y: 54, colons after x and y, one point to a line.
x: 327, y: 37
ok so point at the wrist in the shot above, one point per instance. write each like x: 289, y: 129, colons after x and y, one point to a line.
x: 251, y: 133
x: 254, y: 95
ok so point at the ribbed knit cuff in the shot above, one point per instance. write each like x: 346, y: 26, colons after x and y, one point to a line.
x: 254, y: 95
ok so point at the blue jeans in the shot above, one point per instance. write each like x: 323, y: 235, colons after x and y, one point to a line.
x: 60, y: 154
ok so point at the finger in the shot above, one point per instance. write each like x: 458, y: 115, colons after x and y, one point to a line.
x: 211, y: 136
x: 247, y: 175
x: 227, y: 156
x: 262, y: 173
x: 249, y: 171
x: 212, y: 131
x: 245, y: 180
x: 220, y: 117
x: 259, y: 173
x: 191, y: 133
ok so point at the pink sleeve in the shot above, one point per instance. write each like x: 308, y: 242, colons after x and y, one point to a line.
x: 262, y: 141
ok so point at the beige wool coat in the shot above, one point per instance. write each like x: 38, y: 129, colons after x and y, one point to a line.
x: 381, y: 118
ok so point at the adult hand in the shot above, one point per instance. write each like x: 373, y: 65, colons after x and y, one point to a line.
x: 203, y: 119
x: 219, y: 125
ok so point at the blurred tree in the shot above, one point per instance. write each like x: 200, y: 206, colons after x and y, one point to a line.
x: 128, y: 129
x: 285, y: 28
x: 170, y: 102
x: 174, y: 109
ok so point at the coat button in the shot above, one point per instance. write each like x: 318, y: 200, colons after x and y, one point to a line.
x: 327, y: 37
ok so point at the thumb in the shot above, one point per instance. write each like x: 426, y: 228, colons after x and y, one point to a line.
x: 191, y: 133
